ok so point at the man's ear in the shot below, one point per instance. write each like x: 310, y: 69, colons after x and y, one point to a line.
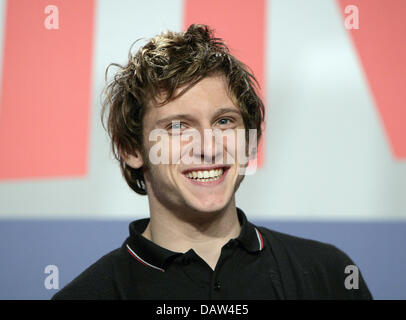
x: 134, y: 160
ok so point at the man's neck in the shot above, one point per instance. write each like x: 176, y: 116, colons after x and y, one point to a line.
x: 205, y: 233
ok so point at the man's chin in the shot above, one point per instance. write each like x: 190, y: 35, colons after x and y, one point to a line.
x: 209, y: 207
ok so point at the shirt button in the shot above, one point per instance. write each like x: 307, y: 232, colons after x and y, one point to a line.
x: 217, y: 286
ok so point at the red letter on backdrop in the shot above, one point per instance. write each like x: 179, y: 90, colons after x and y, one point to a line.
x: 380, y: 43
x: 46, y: 87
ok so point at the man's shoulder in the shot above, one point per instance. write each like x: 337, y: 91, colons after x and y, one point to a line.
x: 306, y: 251
x: 96, y: 282
x: 323, y: 264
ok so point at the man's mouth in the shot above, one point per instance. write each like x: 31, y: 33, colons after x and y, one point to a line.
x: 209, y: 175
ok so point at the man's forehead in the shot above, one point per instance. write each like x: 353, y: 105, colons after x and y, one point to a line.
x: 205, y: 97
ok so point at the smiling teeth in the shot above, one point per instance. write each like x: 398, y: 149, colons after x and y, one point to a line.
x: 206, y: 175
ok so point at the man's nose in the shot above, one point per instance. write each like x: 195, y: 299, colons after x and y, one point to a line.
x: 209, y: 149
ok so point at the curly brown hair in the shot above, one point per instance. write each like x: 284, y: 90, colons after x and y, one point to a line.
x: 170, y: 61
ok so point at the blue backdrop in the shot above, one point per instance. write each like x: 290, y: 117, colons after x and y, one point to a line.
x: 29, y: 246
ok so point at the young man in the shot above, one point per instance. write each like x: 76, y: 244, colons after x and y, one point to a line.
x: 197, y: 244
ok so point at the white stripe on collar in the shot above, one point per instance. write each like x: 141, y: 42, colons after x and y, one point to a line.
x: 260, y: 240
x: 141, y: 260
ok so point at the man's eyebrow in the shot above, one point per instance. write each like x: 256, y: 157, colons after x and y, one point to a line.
x: 174, y: 117
x: 221, y: 111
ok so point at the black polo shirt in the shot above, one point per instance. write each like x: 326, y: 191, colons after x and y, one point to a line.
x: 141, y: 269
x: 259, y: 264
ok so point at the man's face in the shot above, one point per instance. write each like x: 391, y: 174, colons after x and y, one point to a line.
x: 197, y: 177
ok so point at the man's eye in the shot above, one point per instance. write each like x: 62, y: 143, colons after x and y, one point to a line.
x: 224, y: 121
x: 177, y: 125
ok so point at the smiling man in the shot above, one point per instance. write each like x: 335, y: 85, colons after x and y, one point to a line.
x: 176, y: 111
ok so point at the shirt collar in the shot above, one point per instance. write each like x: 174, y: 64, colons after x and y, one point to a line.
x: 250, y: 237
x: 146, y: 251
x: 157, y: 257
